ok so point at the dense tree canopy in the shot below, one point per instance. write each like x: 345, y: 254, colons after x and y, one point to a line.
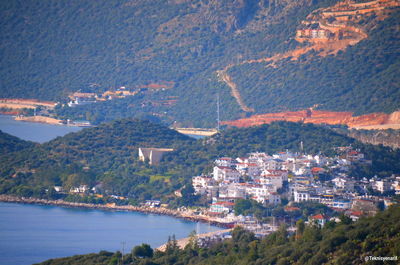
x: 57, y: 47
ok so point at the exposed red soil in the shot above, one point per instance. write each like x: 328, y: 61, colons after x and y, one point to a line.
x: 9, y: 112
x: 319, y: 117
x: 27, y: 101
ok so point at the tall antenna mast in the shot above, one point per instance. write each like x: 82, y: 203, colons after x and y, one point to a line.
x: 116, y: 69
x: 218, y: 120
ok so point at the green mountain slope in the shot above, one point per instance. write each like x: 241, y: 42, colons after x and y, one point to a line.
x: 363, y: 79
x: 9, y: 143
x: 341, y: 243
x: 50, y: 48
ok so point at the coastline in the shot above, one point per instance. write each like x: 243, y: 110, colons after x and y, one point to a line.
x: 39, y: 119
x: 129, y: 208
x: 42, y: 120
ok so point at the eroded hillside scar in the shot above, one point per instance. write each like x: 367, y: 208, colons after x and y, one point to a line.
x: 223, y: 75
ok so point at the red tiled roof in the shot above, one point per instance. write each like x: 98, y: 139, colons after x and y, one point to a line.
x: 291, y: 209
x: 356, y: 213
x: 225, y: 158
x: 224, y: 203
x: 319, y: 217
x: 317, y: 169
x: 337, y: 209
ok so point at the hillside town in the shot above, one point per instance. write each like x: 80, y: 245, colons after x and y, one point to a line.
x: 293, y: 178
x: 285, y: 180
x: 285, y: 186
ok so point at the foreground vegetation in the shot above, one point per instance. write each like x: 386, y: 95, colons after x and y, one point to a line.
x: 9, y: 143
x: 337, y: 243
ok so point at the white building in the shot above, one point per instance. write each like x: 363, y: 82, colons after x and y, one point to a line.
x: 224, y: 162
x: 226, y: 174
x: 201, y: 183
x: 275, y: 181
x: 80, y: 189
x: 341, y: 204
x: 58, y: 189
x: 343, y: 183
x: 248, y: 169
x: 221, y: 207
x: 301, y: 195
x: 381, y: 186
x: 233, y: 190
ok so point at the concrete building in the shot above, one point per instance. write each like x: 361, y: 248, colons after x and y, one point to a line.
x: 153, y: 155
x: 224, y: 162
x: 201, y: 184
x: 221, y: 207
x: 226, y: 174
x: 382, y: 186
x: 318, y: 219
x: 301, y: 195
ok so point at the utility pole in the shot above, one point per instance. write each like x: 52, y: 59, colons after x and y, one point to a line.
x: 301, y: 147
x: 116, y: 69
x: 29, y: 53
x: 123, y: 250
x: 218, y: 118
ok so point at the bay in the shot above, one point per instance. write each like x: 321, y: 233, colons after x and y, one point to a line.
x: 41, y: 132
x: 33, y: 131
x: 34, y: 233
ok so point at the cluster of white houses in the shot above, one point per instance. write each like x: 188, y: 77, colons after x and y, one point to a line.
x: 296, y: 177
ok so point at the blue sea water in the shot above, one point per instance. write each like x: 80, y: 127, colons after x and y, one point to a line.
x: 40, y: 132
x: 32, y: 131
x: 34, y: 233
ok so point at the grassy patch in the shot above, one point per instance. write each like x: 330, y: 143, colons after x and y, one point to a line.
x: 166, y: 179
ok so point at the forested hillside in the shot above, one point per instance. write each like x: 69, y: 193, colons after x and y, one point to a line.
x: 9, y: 143
x: 107, y: 154
x: 51, y: 48
x: 107, y: 157
x: 336, y: 243
x: 362, y: 79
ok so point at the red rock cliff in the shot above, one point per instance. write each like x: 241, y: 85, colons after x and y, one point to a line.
x: 378, y: 120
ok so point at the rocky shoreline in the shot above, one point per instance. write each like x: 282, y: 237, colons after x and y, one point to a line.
x: 130, y: 208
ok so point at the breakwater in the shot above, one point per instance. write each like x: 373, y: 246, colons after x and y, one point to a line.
x: 108, y: 207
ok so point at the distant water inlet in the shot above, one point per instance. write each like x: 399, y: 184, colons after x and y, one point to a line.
x: 34, y: 233
x: 32, y: 131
